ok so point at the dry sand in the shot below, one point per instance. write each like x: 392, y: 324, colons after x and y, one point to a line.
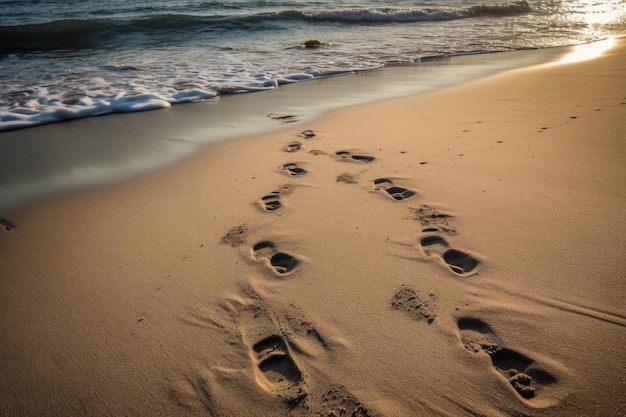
x: 474, y: 267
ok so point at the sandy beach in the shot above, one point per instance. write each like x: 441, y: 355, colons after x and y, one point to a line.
x: 456, y: 253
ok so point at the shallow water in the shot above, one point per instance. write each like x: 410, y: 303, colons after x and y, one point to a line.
x: 46, y: 160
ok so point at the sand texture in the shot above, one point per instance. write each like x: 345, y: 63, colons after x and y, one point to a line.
x: 457, y: 253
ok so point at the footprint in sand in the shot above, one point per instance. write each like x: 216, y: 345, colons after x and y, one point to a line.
x: 518, y: 369
x: 279, y: 262
x: 293, y: 169
x: 459, y: 262
x: 271, y: 201
x: 307, y: 134
x: 8, y: 226
x: 348, y: 156
x: 274, y: 360
x: 397, y: 193
x: 292, y: 147
x: 271, y: 355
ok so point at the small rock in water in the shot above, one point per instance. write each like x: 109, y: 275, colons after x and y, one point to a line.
x: 313, y: 43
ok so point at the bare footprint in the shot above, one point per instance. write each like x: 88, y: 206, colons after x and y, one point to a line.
x: 459, y: 262
x: 293, y: 169
x: 274, y: 360
x: 280, y: 262
x: 270, y: 353
x: 518, y: 369
x: 271, y: 201
x: 292, y: 147
x: 307, y: 134
x: 397, y: 193
x: 432, y: 241
x: 348, y: 156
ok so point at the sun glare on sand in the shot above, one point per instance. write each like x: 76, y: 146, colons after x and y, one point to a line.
x: 587, y: 51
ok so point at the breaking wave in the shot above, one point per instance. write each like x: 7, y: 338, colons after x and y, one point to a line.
x: 408, y: 14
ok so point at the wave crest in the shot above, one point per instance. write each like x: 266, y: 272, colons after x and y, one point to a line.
x: 407, y: 14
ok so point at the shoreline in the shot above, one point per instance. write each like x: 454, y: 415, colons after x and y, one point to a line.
x: 452, y: 253
x: 96, y: 151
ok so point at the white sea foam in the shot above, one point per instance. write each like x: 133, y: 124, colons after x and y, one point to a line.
x: 49, y: 109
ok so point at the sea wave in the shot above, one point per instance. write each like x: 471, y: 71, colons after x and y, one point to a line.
x: 46, y: 35
x: 90, y: 33
x: 83, y: 33
x: 408, y: 14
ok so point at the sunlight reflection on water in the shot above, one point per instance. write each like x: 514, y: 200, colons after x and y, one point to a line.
x: 587, y: 51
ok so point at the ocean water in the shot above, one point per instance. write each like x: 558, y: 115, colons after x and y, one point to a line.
x: 67, y: 59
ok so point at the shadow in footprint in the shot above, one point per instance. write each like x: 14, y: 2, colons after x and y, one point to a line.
x: 512, y: 365
x: 345, y: 155
x: 265, y: 248
x: 293, y: 169
x: 517, y: 368
x: 280, y: 262
x: 477, y: 336
x: 506, y: 359
x: 433, y: 240
x: 271, y: 201
x: 283, y: 263
x: 307, y: 134
x: 397, y: 193
x: 292, y: 147
x: 275, y: 361
x: 271, y: 354
x: 460, y: 262
x: 382, y: 183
